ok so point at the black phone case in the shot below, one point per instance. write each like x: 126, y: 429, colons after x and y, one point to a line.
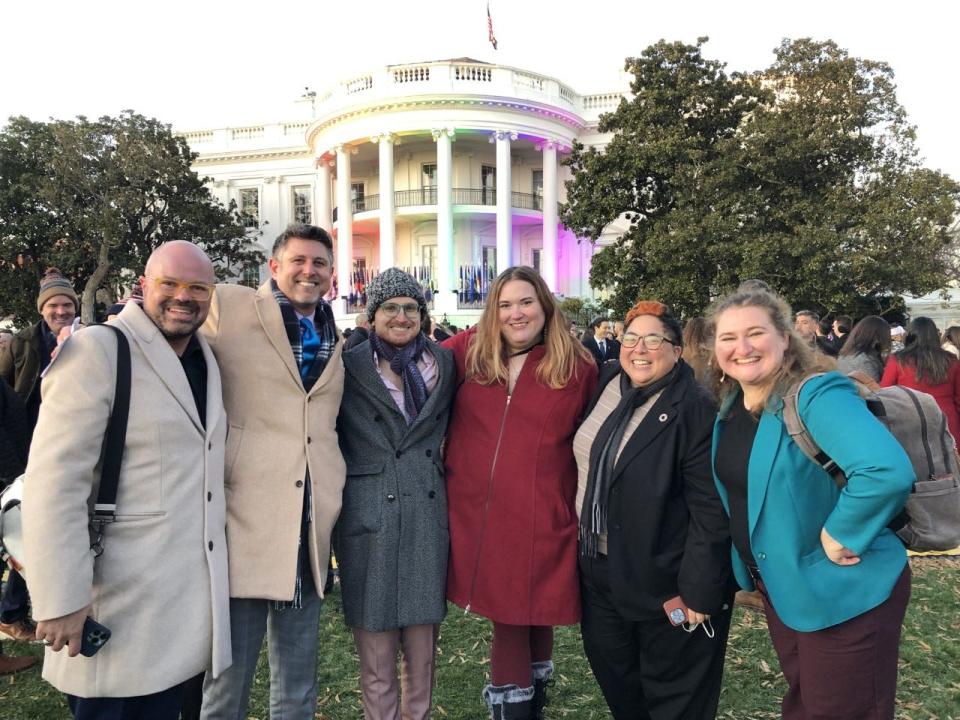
x: 94, y: 637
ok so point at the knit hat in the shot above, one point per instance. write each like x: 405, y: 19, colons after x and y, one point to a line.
x: 391, y: 283
x: 135, y: 295
x: 53, y: 283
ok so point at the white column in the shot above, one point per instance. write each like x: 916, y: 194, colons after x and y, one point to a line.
x: 321, y: 195
x: 504, y: 195
x: 548, y: 256
x: 388, y: 211
x: 344, y: 259
x: 444, y: 301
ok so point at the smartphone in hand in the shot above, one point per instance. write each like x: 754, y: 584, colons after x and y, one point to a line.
x: 676, y: 610
x: 93, y: 638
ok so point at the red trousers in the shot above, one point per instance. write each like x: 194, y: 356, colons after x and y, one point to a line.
x: 844, y: 672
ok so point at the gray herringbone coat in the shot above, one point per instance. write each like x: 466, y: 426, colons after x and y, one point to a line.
x: 391, y: 540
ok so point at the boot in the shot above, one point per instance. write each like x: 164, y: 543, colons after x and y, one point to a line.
x: 508, y: 702
x: 10, y: 665
x: 542, y: 679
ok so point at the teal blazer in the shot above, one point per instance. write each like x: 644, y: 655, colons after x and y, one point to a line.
x: 790, y: 498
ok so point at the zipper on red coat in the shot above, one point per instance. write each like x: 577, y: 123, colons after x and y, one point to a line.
x: 486, y: 507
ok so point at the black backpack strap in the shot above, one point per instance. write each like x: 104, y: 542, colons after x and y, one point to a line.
x: 114, y: 440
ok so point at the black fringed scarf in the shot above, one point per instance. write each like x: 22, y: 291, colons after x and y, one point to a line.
x: 603, y: 457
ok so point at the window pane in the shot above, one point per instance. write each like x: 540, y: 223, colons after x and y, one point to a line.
x: 429, y: 176
x: 302, y: 204
x: 250, y: 206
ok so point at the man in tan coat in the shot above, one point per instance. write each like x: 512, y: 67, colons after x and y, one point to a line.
x: 160, y: 585
x: 282, y: 382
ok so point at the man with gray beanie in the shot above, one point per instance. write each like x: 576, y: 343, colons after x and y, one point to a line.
x: 391, y: 540
x: 28, y: 352
x: 22, y: 360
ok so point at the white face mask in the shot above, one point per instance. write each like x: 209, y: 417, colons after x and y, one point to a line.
x: 706, y: 625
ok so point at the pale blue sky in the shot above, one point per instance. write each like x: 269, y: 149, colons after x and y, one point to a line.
x: 210, y: 63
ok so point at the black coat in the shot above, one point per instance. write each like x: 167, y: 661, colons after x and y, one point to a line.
x: 613, y: 349
x: 668, y: 534
x: 14, y: 434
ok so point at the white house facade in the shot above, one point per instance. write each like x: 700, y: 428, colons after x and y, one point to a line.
x: 451, y: 170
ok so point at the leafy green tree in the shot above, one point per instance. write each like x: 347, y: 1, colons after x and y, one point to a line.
x: 804, y: 175
x: 94, y: 198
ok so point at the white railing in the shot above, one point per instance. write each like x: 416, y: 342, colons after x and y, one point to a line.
x: 358, y: 85
x: 420, y: 73
x: 472, y: 73
x: 196, y: 138
x: 247, y: 133
x: 437, y: 78
x: 533, y: 82
x: 297, y: 128
x: 603, y: 101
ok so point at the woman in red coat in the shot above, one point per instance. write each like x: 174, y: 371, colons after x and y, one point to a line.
x: 512, y: 481
x: 923, y: 365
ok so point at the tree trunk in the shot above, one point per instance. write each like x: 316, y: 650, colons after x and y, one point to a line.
x: 89, y: 297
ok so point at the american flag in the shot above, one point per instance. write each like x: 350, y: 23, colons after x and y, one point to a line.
x: 490, y: 35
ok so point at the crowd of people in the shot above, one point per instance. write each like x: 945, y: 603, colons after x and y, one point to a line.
x: 631, y: 480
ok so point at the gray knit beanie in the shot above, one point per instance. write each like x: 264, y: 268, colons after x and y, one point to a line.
x: 392, y: 283
x: 53, y: 283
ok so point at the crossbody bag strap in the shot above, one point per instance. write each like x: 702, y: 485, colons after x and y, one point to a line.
x: 111, y: 456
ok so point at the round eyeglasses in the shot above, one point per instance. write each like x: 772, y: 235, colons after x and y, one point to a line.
x: 652, y: 341
x: 392, y: 309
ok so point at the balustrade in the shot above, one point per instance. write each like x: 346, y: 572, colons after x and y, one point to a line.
x: 461, y: 196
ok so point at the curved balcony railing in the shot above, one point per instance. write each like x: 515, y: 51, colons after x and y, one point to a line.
x: 461, y: 196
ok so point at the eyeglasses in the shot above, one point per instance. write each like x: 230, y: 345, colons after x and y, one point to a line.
x: 392, y: 309
x: 653, y: 341
x: 196, y: 290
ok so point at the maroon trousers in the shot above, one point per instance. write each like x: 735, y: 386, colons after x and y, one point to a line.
x: 844, y: 672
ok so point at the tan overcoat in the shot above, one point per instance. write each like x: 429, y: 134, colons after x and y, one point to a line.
x: 277, y: 431
x: 161, y: 583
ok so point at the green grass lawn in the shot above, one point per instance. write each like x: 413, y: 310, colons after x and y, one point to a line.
x: 929, y: 666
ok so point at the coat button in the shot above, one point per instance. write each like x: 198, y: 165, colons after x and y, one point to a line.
x: 309, y: 440
x: 210, y: 544
x: 399, y: 453
x: 209, y: 446
x: 438, y: 417
x: 299, y: 483
x: 429, y: 453
x: 391, y: 497
x: 432, y: 494
x: 761, y: 556
x: 209, y: 496
x: 378, y: 418
x: 616, y: 527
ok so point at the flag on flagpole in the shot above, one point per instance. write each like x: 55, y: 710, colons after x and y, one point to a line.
x: 490, y: 36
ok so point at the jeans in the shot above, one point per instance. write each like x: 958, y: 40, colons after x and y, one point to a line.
x: 164, y: 705
x: 292, y: 639
x: 15, y: 600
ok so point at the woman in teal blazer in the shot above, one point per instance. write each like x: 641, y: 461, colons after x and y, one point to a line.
x: 835, y: 578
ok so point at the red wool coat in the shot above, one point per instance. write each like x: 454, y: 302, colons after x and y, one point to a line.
x: 511, y: 486
x: 947, y: 393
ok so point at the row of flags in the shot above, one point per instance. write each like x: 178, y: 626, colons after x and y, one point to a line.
x: 474, y: 284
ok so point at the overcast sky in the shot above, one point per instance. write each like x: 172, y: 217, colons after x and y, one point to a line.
x: 211, y: 63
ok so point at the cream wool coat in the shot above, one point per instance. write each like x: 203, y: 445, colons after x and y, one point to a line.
x: 161, y: 583
x: 276, y: 432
